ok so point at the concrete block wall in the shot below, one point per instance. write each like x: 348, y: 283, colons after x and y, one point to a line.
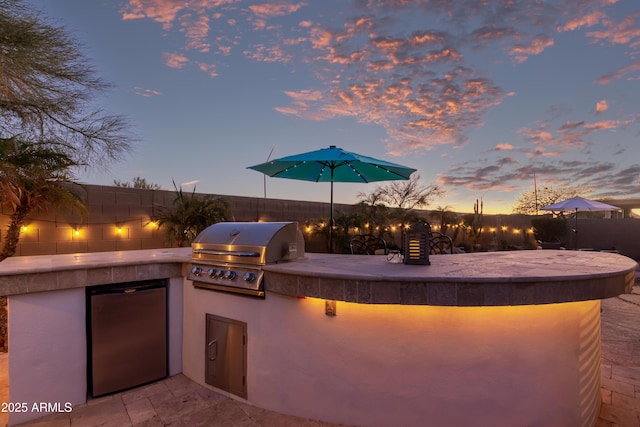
x: 120, y: 219
x: 130, y: 211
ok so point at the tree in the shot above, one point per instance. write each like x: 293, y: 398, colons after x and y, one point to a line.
x: 32, y: 177
x: 374, y: 213
x: 48, y: 91
x: 548, y: 229
x: 137, y: 182
x: 446, y: 217
x: 190, y: 215
x: 49, y: 125
x: 529, y: 203
x: 409, y: 194
x: 400, y: 198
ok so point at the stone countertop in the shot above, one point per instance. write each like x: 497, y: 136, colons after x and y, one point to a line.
x: 19, y: 275
x: 476, y: 279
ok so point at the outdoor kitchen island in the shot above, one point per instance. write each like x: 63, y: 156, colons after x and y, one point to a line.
x: 484, y: 339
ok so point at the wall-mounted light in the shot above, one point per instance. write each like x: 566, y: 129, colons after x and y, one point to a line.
x: 330, y: 308
x: 24, y: 228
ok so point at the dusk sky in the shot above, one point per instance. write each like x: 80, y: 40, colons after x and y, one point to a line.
x: 476, y: 95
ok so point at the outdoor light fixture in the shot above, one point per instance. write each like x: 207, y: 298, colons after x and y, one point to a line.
x: 330, y: 308
x: 416, y: 244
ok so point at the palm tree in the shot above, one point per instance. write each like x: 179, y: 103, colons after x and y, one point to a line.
x: 446, y: 217
x: 190, y: 215
x: 32, y: 178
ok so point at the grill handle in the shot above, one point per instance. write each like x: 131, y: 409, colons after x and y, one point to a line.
x: 232, y: 253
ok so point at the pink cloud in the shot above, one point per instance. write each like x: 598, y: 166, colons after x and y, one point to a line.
x: 305, y: 95
x: 586, y: 20
x: 196, y: 30
x: 602, y: 106
x: 146, y: 93
x: 537, y: 45
x: 542, y: 152
x: 210, y: 69
x: 175, y: 60
x: 415, y: 80
x: 162, y: 11
x: 270, y: 10
x: 569, y: 134
x: 624, y: 32
x: 619, y: 73
x: 500, y: 147
x: 264, y: 53
x: 166, y: 11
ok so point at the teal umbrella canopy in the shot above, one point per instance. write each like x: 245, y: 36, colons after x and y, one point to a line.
x: 333, y: 164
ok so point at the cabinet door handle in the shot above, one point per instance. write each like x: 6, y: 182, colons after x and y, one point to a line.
x: 213, y: 344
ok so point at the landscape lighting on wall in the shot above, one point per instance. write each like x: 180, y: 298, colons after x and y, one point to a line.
x: 330, y: 308
x: 24, y: 228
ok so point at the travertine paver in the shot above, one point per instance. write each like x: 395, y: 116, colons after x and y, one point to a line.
x: 620, y: 375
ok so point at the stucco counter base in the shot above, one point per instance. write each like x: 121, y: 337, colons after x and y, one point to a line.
x: 496, y: 339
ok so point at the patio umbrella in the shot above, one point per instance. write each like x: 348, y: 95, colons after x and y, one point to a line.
x: 579, y: 204
x: 333, y: 164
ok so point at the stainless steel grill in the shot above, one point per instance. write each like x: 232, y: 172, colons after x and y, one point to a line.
x: 228, y: 256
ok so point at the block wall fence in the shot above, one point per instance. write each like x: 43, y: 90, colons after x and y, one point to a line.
x: 121, y: 219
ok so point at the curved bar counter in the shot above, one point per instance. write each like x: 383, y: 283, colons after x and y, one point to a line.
x: 475, y: 279
x: 484, y: 339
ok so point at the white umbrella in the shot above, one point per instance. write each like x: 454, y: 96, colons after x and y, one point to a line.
x: 579, y: 204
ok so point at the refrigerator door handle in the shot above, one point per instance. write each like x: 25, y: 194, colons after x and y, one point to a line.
x: 213, y: 344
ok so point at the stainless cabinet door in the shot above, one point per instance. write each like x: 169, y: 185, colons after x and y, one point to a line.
x: 226, y: 355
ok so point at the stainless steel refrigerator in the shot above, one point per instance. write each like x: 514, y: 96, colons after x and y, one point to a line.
x: 127, y: 335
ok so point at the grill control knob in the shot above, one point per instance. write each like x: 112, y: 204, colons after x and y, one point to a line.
x: 220, y: 273
x: 249, y: 276
x: 196, y: 271
x: 213, y: 272
x: 230, y: 275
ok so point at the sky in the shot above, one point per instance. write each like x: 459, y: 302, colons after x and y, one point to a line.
x: 479, y: 96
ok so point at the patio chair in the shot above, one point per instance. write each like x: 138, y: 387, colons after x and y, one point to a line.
x: 368, y: 244
x: 440, y: 243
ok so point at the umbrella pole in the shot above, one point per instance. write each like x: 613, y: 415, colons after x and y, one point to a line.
x: 331, y: 217
x: 576, y: 228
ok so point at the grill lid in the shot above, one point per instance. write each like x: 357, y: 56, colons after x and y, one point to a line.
x: 249, y: 242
